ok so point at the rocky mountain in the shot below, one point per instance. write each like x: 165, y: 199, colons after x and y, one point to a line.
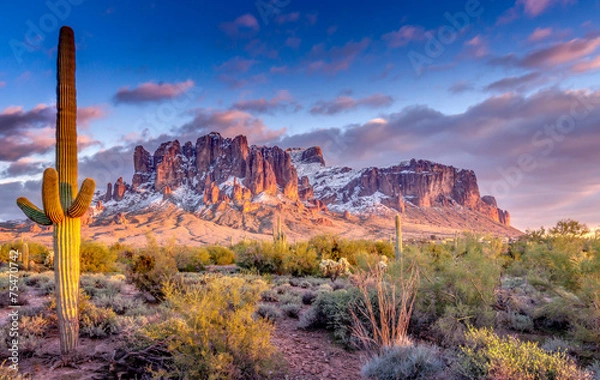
x: 217, y: 176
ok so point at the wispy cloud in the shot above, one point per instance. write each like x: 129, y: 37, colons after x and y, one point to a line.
x: 534, y: 8
x: 404, y: 35
x: 229, y: 123
x: 346, y: 103
x: 282, y: 101
x: 335, y: 59
x: 245, y: 26
x: 540, y: 34
x: 516, y: 83
x: 151, y: 92
x: 587, y: 65
x: 555, y: 55
x: 460, y: 87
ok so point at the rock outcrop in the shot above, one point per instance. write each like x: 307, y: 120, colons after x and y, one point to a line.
x: 227, y: 172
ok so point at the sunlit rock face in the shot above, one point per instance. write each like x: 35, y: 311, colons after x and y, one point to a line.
x: 227, y: 171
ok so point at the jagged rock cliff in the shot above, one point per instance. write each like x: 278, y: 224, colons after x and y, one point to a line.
x: 224, y: 172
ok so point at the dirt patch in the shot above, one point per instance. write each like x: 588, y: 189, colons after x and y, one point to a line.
x: 313, y: 355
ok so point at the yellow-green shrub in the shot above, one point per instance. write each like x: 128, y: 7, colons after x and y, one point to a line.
x: 486, y: 355
x: 96, y: 257
x: 211, y: 333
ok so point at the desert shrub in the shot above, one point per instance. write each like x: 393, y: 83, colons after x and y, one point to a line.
x: 121, y: 305
x: 333, y: 269
x: 292, y: 310
x: 458, y: 284
x: 265, y: 257
x: 150, y: 269
x: 411, y: 362
x: 96, y: 285
x: 221, y: 255
x: 96, y: 322
x: 556, y: 344
x: 268, y: 312
x: 186, y: 332
x: 301, y: 260
x: 95, y: 257
x: 38, y: 280
x: 269, y: 295
x: 308, y: 297
x: 192, y: 259
x: 289, y: 298
x: 487, y: 355
x: 7, y: 373
x: 32, y: 331
x: 382, y: 314
x: 520, y: 322
x: 331, y: 311
x: 37, y: 251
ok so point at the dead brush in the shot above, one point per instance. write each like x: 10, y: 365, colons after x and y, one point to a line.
x: 382, y: 314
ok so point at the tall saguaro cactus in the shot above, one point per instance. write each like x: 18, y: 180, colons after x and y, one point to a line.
x: 398, y: 237
x: 63, y: 204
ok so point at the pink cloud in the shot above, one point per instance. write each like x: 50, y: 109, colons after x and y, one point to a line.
x: 236, y: 65
x: 540, y: 34
x: 2, y: 84
x: 508, y: 16
x: 588, y: 65
x: 231, y: 123
x: 534, y: 8
x: 244, y: 26
x: 87, y: 114
x: 283, y: 101
x: 345, y: 103
x: 152, y: 92
x: 477, y: 46
x: 561, y: 53
x: 404, y: 35
x: 336, y: 59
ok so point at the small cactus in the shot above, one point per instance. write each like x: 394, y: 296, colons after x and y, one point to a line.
x: 398, y: 237
x: 25, y: 256
x: 278, y: 235
x: 63, y: 204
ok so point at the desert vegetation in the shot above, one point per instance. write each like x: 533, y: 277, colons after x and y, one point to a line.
x: 474, y: 307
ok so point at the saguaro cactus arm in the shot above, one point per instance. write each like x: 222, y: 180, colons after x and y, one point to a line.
x: 83, y: 200
x: 33, y: 212
x: 51, y: 196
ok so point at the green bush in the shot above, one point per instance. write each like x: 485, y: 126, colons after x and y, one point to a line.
x: 209, y: 332
x: 410, y: 362
x: 95, y: 257
x: 192, y: 259
x: 150, y: 269
x: 486, y: 355
x: 268, y: 312
x: 265, y: 257
x: 221, y: 255
x: 292, y: 310
x: 37, y: 251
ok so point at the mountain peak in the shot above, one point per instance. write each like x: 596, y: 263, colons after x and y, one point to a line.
x: 217, y: 173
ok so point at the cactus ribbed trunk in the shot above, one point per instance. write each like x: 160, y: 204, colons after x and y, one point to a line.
x: 63, y: 205
x: 67, y: 232
x: 398, y: 237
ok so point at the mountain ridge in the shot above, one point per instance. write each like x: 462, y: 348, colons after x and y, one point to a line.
x: 218, y: 173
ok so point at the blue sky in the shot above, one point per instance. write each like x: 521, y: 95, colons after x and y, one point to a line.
x: 507, y: 88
